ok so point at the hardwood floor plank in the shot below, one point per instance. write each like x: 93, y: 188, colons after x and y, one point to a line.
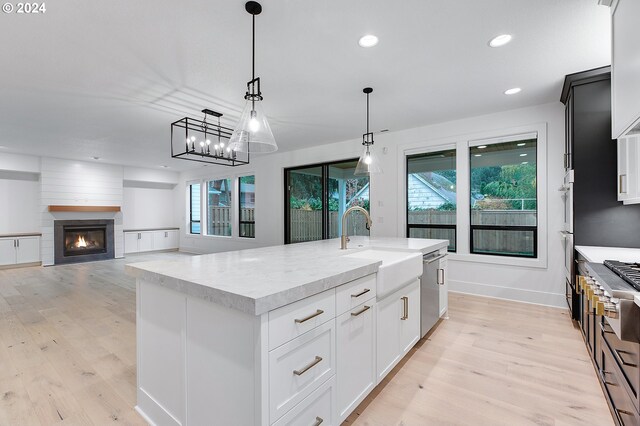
x: 68, y: 357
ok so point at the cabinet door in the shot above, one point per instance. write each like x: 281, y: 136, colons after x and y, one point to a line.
x: 160, y: 240
x: 28, y: 250
x: 130, y: 242
x: 388, y: 313
x: 145, y: 242
x: 444, y: 288
x: 625, y: 66
x: 7, y: 251
x: 355, y: 357
x: 410, y: 324
x: 172, y: 239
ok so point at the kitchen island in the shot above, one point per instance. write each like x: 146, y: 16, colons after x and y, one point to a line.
x: 277, y: 334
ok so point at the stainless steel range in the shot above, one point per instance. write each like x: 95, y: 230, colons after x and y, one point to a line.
x: 612, y: 287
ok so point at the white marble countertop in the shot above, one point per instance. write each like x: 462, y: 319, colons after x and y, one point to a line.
x: 259, y: 280
x: 600, y: 254
x: 636, y: 298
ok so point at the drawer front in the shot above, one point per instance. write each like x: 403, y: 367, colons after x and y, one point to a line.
x: 627, y: 356
x: 290, y: 321
x: 354, y: 293
x: 299, y: 367
x: 624, y: 406
x: 315, y: 410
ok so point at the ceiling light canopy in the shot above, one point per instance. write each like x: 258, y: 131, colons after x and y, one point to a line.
x: 512, y: 91
x: 368, y: 162
x: 500, y: 40
x: 368, y: 40
x: 253, y: 133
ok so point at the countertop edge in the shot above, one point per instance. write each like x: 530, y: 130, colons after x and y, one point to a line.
x: 22, y: 234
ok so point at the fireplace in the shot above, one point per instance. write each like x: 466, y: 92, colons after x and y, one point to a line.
x: 83, y: 240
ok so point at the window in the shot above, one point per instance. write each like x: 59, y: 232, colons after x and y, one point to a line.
x: 247, y: 199
x: 194, y: 208
x: 431, y: 196
x: 318, y: 195
x: 504, y: 198
x: 219, y: 207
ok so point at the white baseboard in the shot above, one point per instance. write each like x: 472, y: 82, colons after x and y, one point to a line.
x: 509, y: 293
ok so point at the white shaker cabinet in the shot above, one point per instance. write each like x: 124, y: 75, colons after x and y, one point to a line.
x: 165, y: 240
x: 625, y: 68
x: 628, y: 182
x: 150, y: 240
x: 356, y: 369
x: 397, y: 325
x: 19, y: 250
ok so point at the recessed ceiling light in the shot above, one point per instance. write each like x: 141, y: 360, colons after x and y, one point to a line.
x: 164, y: 166
x: 368, y: 40
x: 477, y: 155
x: 512, y: 91
x: 96, y: 158
x: 482, y: 147
x: 522, y: 144
x: 523, y: 155
x: 500, y: 40
x: 525, y: 162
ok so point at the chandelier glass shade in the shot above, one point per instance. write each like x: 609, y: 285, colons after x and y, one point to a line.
x: 253, y: 133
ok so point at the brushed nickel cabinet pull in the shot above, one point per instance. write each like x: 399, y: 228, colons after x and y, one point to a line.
x: 361, y: 311
x: 319, y: 421
x: 301, y: 320
x: 405, y: 303
x: 311, y: 365
x: 365, y: 291
x: 440, y: 274
x: 619, y: 353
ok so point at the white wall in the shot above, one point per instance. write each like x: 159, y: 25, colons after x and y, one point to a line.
x: 144, y: 208
x: 19, y: 202
x: 537, y: 284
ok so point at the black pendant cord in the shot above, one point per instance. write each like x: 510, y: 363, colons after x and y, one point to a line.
x: 253, y: 61
x: 367, y: 113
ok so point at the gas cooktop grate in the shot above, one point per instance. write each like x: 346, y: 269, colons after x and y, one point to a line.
x: 628, y: 271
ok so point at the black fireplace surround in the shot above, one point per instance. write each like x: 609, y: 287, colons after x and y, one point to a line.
x: 83, y: 240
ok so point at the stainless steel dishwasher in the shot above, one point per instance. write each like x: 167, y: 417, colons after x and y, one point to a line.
x: 430, y: 286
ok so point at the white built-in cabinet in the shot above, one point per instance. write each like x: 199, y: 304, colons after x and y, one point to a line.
x: 19, y: 250
x: 628, y: 181
x: 625, y: 68
x: 150, y: 240
x: 398, y: 326
x: 311, y: 362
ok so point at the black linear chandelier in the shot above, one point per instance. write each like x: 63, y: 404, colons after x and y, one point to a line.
x: 203, y: 141
x: 368, y: 162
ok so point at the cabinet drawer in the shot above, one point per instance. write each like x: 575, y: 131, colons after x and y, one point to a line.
x: 290, y: 321
x: 354, y: 293
x: 316, y: 409
x: 626, y: 355
x: 297, y: 368
x: 621, y: 401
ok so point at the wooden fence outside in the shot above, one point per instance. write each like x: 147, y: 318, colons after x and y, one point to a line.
x: 306, y: 225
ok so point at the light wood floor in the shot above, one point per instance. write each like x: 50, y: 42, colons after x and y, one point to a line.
x: 67, y: 357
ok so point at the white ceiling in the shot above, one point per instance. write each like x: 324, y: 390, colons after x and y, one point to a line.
x: 107, y: 78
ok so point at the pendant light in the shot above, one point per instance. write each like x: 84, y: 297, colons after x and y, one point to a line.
x: 368, y: 162
x: 253, y: 132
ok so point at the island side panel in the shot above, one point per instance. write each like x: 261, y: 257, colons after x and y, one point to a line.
x: 223, y: 365
x: 198, y: 361
x: 160, y: 330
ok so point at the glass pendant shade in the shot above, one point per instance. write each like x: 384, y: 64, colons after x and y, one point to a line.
x: 253, y: 133
x: 368, y: 162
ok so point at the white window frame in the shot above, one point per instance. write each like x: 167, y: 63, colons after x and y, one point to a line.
x: 234, y: 216
x: 463, y: 217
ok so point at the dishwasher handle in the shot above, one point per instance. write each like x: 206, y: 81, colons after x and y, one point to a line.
x: 432, y: 259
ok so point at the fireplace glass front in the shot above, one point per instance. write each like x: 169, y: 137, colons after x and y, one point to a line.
x: 82, y: 241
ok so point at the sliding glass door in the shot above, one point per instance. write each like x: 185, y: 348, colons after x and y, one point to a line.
x: 318, y: 195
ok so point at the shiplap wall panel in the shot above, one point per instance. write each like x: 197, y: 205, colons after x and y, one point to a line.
x: 77, y: 183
